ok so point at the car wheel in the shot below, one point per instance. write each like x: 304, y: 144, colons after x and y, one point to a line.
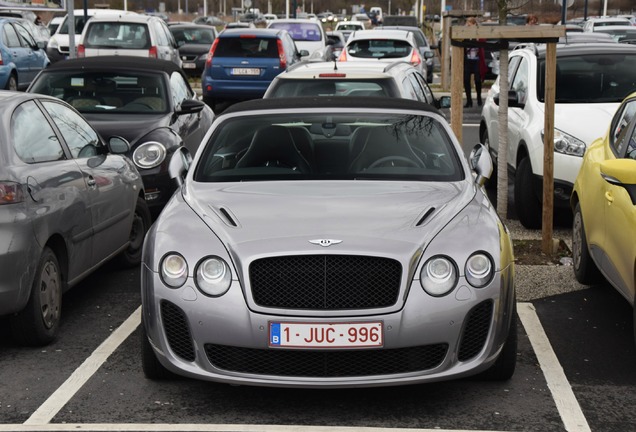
x: 12, y: 83
x: 153, y: 369
x: 38, y: 323
x: 141, y: 222
x: 527, y: 204
x: 492, y: 181
x: 585, y: 268
x: 504, y: 366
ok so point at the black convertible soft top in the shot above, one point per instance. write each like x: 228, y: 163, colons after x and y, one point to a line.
x: 331, y: 102
x: 116, y: 62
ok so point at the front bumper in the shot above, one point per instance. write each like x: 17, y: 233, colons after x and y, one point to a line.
x: 428, y: 339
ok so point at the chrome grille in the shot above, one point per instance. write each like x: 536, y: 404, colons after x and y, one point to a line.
x: 325, y: 282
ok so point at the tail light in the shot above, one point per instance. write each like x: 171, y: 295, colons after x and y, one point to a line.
x: 415, y: 58
x: 208, y: 62
x: 10, y: 193
x: 281, y: 54
x: 343, y: 55
x: 81, y: 51
x: 1, y: 61
x: 152, y: 52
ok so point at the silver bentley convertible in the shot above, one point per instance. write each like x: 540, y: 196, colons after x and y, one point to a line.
x: 329, y: 242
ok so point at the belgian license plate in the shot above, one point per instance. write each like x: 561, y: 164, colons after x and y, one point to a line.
x: 246, y: 71
x: 189, y: 66
x: 326, y: 335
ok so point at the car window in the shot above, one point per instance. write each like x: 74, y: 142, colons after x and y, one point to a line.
x: 117, y: 35
x: 247, y: 47
x: 631, y: 145
x: 34, y: 144
x: 81, y: 139
x: 10, y: 36
x: 618, y: 138
x: 379, y: 48
x: 330, y: 87
x: 300, y: 31
x: 520, y: 81
x: 180, y: 89
x: 606, y: 77
x: 316, y: 146
x: 25, y: 37
x: 162, y: 37
x: 408, y: 88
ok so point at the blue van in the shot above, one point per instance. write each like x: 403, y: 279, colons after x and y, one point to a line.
x: 243, y: 62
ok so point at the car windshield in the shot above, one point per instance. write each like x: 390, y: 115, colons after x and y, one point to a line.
x: 591, y: 78
x: 379, y: 48
x: 116, y: 35
x: 203, y: 36
x: 311, y: 146
x: 79, y: 25
x: 331, y: 87
x: 106, y: 92
x: 300, y: 31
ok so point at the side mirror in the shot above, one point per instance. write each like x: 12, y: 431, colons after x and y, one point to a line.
x: 118, y: 145
x: 303, y: 53
x: 444, y: 102
x: 481, y: 163
x: 429, y: 54
x: 179, y: 165
x: 513, y: 100
x: 190, y: 106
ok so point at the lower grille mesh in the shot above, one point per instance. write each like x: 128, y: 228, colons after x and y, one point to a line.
x: 327, y: 364
x: 476, y: 331
x: 177, y: 331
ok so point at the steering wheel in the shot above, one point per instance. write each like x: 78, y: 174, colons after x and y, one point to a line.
x: 403, y: 161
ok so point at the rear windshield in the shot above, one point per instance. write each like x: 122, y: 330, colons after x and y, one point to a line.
x: 116, y: 35
x: 379, y: 48
x: 300, y: 31
x: 328, y: 87
x: 332, y: 145
x: 246, y: 47
x: 593, y: 78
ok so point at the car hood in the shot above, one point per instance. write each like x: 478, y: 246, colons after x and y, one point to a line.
x: 129, y: 126
x: 586, y: 122
x: 263, y: 218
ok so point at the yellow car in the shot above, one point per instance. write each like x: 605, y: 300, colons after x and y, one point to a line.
x: 604, y: 207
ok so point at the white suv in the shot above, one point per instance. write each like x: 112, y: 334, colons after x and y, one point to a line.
x: 129, y: 35
x: 591, y: 81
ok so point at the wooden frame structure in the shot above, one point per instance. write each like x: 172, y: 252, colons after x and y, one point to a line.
x: 537, y: 34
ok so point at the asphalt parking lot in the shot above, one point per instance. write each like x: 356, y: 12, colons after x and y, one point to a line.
x: 575, y: 372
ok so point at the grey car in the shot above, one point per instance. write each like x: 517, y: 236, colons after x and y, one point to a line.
x: 296, y: 256
x: 68, y: 203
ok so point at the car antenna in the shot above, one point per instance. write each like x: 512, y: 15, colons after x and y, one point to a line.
x: 335, y: 65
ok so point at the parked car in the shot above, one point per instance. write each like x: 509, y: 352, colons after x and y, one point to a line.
x: 396, y: 80
x: 424, y: 47
x: 54, y: 24
x: 594, y: 24
x: 308, y: 35
x: 337, y: 41
x: 147, y: 101
x: 68, y: 203
x: 364, y: 260
x: 362, y: 18
x: 621, y: 34
x: 400, y: 20
x: 243, y: 62
x: 209, y: 20
x: 238, y: 24
x: 21, y: 58
x: 194, y: 42
x: 604, y: 207
x: 40, y: 33
x: 128, y: 35
x: 591, y: 81
x: 385, y: 46
x: 349, y: 26
x: 58, y: 45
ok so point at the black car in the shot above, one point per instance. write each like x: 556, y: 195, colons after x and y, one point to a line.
x: 149, y: 102
x: 194, y: 41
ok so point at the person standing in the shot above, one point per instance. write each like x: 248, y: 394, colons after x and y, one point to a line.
x: 474, y: 65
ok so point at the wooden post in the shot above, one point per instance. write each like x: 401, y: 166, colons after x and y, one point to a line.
x: 457, y: 107
x: 548, y: 149
x: 446, y: 29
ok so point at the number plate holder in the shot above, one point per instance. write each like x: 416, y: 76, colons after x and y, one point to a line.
x: 326, y: 335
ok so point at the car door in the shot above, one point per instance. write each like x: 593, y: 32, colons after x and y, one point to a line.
x: 492, y: 116
x: 620, y: 212
x: 34, y: 59
x: 61, y: 201
x: 112, y: 204
x: 518, y: 118
x: 186, y: 125
x: 18, y: 54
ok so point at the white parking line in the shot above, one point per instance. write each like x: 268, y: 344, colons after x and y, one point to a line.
x: 82, y: 374
x: 562, y: 393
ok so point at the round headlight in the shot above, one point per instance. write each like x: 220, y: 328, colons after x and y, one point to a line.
x: 479, y: 270
x: 149, y: 155
x: 174, y: 270
x: 438, y: 276
x: 213, y: 276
